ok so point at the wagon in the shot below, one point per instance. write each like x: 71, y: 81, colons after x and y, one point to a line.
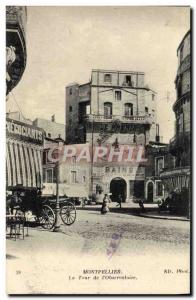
x: 42, y: 210
x: 47, y: 213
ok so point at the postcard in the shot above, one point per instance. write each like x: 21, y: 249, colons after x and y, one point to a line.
x: 98, y: 150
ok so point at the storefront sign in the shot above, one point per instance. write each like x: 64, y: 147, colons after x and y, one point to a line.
x: 22, y: 131
x: 138, y: 171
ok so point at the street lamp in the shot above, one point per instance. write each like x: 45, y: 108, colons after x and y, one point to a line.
x: 57, y: 223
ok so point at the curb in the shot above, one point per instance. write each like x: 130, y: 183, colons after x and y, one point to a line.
x: 163, y: 218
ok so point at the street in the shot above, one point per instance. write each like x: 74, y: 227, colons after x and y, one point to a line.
x: 97, y: 240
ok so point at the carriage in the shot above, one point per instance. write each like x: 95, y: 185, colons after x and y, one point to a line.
x: 41, y: 210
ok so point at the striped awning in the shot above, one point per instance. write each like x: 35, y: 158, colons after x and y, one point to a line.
x: 23, y: 164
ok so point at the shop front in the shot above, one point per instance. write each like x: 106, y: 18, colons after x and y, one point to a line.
x: 24, y: 147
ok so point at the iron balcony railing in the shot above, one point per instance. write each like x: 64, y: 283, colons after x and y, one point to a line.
x: 126, y: 119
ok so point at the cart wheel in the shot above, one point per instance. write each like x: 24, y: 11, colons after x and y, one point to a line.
x: 47, y: 217
x: 68, y: 213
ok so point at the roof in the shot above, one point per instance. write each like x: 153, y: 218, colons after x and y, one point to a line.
x: 117, y: 71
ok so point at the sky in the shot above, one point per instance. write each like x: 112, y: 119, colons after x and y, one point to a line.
x: 65, y: 43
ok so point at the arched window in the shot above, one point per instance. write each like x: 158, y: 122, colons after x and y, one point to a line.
x: 107, y: 110
x: 128, y: 109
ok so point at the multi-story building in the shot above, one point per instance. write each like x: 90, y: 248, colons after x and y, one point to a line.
x: 158, y: 159
x: 178, y: 177
x: 24, y: 142
x: 51, y: 127
x: 73, y: 177
x: 15, y: 45
x: 115, y: 108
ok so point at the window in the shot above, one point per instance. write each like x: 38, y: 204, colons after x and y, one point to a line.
x: 128, y: 80
x: 49, y: 135
x: 84, y: 178
x: 107, y: 110
x: 117, y: 95
x: 73, y: 176
x: 159, y: 188
x: 153, y: 97
x: 181, y: 53
x: 146, y: 110
x: 70, y: 108
x: 107, y: 78
x: 159, y: 165
x: 179, y: 89
x: 48, y: 175
x: 73, y: 159
x: 128, y: 109
x: 180, y: 123
x: 70, y: 91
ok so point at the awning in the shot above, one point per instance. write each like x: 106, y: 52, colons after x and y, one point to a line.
x: 23, y: 164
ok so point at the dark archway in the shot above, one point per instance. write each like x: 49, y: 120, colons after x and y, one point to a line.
x: 150, y: 191
x: 118, y: 186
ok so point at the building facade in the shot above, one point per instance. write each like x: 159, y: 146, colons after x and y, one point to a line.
x: 178, y: 177
x: 73, y: 177
x: 114, y: 110
x: 16, y: 56
x: 158, y: 159
x: 51, y: 127
x: 24, y: 148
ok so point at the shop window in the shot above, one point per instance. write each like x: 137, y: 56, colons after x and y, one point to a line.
x: 107, y: 78
x: 117, y: 95
x: 128, y: 109
x: 107, y: 110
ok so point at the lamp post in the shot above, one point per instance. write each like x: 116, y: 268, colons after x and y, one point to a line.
x: 57, y: 223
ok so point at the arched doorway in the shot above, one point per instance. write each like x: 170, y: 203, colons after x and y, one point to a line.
x: 118, y: 186
x: 150, y: 191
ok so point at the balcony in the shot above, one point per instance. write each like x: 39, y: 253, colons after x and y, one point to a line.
x: 15, y: 39
x: 123, y: 119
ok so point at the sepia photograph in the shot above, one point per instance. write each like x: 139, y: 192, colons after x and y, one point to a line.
x: 98, y: 150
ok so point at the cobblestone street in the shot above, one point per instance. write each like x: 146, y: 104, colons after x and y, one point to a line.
x: 89, y: 239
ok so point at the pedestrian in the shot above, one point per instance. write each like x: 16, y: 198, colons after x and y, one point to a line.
x: 105, y: 208
x: 119, y: 200
x: 141, y: 205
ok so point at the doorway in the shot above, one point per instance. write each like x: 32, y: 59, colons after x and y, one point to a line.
x: 150, y: 191
x: 118, y: 186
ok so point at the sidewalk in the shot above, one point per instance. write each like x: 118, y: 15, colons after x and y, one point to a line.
x: 165, y: 216
x: 151, y: 211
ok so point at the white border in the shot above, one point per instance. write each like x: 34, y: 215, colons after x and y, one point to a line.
x: 3, y: 3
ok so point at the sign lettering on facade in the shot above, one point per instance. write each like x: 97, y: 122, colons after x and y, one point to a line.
x: 24, y: 131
